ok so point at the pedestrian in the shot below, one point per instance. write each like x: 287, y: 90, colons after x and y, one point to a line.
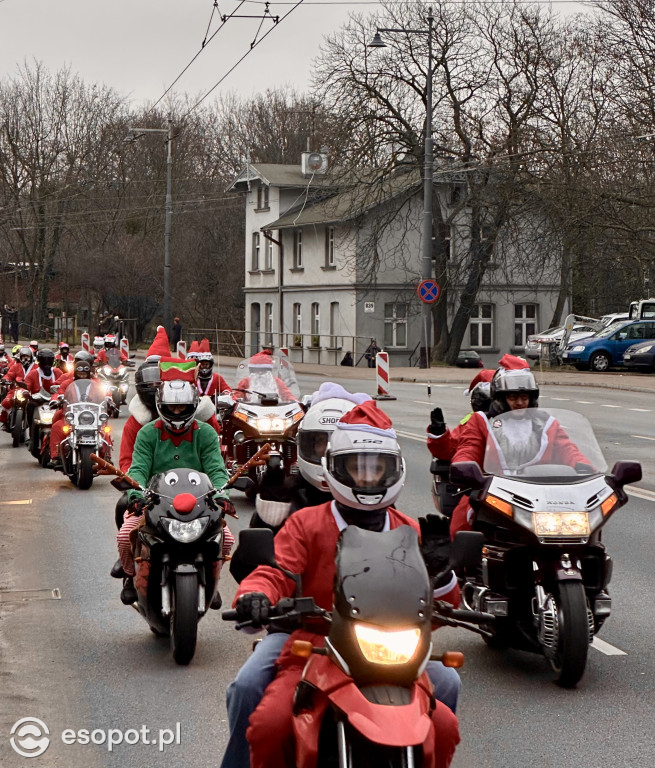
x: 11, y: 313
x: 371, y: 352
x: 347, y: 359
x: 177, y: 332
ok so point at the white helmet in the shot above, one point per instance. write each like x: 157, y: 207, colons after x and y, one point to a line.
x: 363, y: 468
x: 174, y: 393
x: 313, y: 434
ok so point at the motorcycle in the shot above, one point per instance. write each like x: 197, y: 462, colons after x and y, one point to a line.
x: 115, y: 379
x: 544, y: 571
x: 86, y: 430
x: 17, y: 420
x: 268, y: 413
x: 365, y: 697
x: 178, y: 553
x: 41, y: 426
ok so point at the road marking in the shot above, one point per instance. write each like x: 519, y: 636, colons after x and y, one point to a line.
x: 560, y: 398
x: 643, y: 437
x: 607, y: 405
x: 424, y: 402
x: 584, y: 402
x: 606, y: 648
x: 640, y: 410
x: 17, y: 501
x: 411, y: 436
x: 642, y: 493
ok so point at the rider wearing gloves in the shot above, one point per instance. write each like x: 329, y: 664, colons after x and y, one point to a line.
x: 64, y: 357
x: 176, y: 439
x: 208, y: 382
x: 44, y: 375
x: 23, y: 363
x: 365, y: 472
x: 262, y: 380
x: 110, y: 343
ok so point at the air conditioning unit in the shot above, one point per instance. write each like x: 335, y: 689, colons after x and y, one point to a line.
x: 313, y: 163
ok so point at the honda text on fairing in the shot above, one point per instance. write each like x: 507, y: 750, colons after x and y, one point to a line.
x: 365, y: 698
x: 178, y: 556
x: 86, y: 430
x: 544, y: 570
x: 114, y: 376
x: 269, y: 412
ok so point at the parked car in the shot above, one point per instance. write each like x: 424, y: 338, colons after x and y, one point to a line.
x: 640, y: 357
x: 605, y: 349
x: 532, y: 349
x: 469, y: 358
x: 614, y: 317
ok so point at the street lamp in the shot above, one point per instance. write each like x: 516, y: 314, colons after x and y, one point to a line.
x: 134, y: 134
x: 426, y: 264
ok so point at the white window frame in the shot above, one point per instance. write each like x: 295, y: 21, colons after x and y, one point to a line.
x: 256, y: 246
x: 395, y: 320
x: 316, y: 318
x: 268, y: 323
x: 334, y: 324
x: 297, y: 249
x: 478, y: 323
x: 268, y: 254
x: 524, y: 325
x: 297, y: 319
x: 329, y: 247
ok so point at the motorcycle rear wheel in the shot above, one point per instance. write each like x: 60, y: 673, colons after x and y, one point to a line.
x: 184, y: 618
x: 570, y: 659
x: 84, y: 469
x: 35, y: 441
x: 17, y: 434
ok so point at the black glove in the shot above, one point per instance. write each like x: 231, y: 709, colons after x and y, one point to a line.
x: 228, y: 507
x: 253, y: 607
x: 435, y: 543
x: 136, y: 507
x: 437, y: 425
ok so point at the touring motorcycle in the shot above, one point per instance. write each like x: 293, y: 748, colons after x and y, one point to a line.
x: 114, y: 376
x: 17, y: 420
x: 544, y: 570
x: 43, y: 413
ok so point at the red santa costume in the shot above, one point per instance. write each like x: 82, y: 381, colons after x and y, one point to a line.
x: 209, y: 383
x: 261, y: 379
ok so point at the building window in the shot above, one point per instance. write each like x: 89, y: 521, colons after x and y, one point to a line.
x: 256, y: 245
x: 268, y: 323
x: 316, y: 319
x: 525, y: 323
x: 395, y: 324
x: 297, y: 249
x: 296, y: 323
x: 262, y: 197
x: 254, y: 328
x: 268, y: 254
x: 334, y: 324
x: 481, y: 326
x: 329, y: 247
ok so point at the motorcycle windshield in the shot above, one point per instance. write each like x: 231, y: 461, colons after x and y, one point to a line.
x: 539, y: 443
x: 277, y: 379
x: 113, y: 358
x: 85, y: 391
x: 382, y: 576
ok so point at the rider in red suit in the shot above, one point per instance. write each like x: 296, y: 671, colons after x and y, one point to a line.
x: 208, y: 382
x: 43, y: 375
x: 261, y: 379
x: 306, y: 545
x: 110, y: 343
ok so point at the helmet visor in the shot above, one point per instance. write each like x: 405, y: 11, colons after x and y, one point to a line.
x: 312, y: 444
x: 366, y: 470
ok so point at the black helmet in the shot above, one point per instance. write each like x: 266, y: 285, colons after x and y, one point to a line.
x: 46, y: 359
x: 147, y: 381
x: 84, y: 355
x: 514, y: 382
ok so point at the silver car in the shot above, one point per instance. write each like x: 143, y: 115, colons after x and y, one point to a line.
x: 533, y: 344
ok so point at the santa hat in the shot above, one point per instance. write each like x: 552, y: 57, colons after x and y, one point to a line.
x: 172, y: 368
x: 160, y: 347
x: 367, y: 417
x: 485, y: 375
x: 330, y: 389
x: 261, y: 360
x: 204, y: 346
x: 513, y: 363
x: 193, y: 351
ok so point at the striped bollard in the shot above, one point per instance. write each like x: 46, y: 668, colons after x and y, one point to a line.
x: 125, y: 346
x: 382, y: 375
x: 284, y: 351
x: 181, y: 349
x: 86, y: 342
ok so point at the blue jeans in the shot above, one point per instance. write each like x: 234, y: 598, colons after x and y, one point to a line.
x: 246, y: 690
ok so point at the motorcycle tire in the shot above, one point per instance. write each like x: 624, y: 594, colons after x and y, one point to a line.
x: 35, y: 442
x: 17, y: 433
x: 570, y: 660
x: 44, y: 458
x: 84, y: 468
x: 184, y: 618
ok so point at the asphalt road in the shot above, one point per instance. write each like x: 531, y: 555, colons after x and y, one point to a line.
x: 85, y: 661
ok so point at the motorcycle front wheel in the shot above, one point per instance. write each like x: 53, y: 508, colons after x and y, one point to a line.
x: 84, y: 468
x: 184, y: 617
x: 570, y: 658
x: 17, y: 434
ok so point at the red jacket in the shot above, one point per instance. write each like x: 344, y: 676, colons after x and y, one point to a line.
x: 102, y: 356
x: 215, y: 386
x: 306, y: 544
x: 36, y: 379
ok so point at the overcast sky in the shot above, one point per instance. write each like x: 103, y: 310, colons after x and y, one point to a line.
x: 141, y: 46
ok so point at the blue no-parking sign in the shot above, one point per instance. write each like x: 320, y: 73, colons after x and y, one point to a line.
x: 428, y: 291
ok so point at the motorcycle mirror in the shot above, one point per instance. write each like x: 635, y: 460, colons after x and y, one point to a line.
x: 256, y: 546
x: 270, y: 398
x: 625, y: 472
x: 467, y: 473
x: 439, y: 467
x: 466, y: 550
x: 120, y: 484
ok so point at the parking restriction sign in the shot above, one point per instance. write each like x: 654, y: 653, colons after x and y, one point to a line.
x: 428, y: 291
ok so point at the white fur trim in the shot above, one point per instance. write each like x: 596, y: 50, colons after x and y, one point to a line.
x: 363, y: 427
x: 206, y: 409
x: 139, y: 410
x: 437, y: 593
x: 272, y: 512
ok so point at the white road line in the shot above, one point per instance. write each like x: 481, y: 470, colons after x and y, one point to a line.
x: 17, y: 501
x: 560, y: 398
x: 643, y: 437
x: 640, y: 410
x: 411, y: 436
x: 607, y: 405
x: 606, y: 648
x: 641, y: 493
x: 584, y: 402
x: 424, y: 402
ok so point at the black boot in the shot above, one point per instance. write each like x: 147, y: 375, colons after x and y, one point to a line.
x: 128, y: 593
x: 117, y: 571
x: 217, y: 602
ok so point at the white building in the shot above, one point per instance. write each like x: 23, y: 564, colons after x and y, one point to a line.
x: 320, y: 282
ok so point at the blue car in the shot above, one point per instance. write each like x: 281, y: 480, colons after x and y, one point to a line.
x: 605, y: 349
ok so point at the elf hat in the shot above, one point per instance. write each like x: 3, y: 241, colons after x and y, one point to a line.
x: 160, y: 347
x: 172, y: 369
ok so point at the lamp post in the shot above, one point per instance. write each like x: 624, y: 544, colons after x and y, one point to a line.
x: 428, y: 168
x: 134, y: 134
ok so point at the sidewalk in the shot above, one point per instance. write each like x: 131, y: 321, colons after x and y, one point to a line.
x: 568, y: 377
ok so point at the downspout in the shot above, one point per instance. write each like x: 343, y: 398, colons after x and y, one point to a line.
x: 280, y: 283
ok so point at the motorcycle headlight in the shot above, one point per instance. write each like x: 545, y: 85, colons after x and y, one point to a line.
x: 45, y: 417
x: 69, y: 418
x: 387, y: 646
x: 107, y: 387
x: 271, y: 424
x: 123, y: 386
x: 184, y: 531
x: 121, y: 369
x: 87, y: 418
x: 103, y: 418
x: 106, y: 370
x: 561, y: 523
x: 21, y: 395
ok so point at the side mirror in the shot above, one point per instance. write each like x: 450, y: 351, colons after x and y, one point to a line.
x: 625, y: 472
x: 439, y: 467
x: 466, y: 550
x: 467, y: 474
x: 256, y: 546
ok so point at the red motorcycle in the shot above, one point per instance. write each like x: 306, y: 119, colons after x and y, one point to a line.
x: 364, y: 697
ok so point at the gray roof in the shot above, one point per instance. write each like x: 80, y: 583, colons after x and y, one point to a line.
x: 277, y: 175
